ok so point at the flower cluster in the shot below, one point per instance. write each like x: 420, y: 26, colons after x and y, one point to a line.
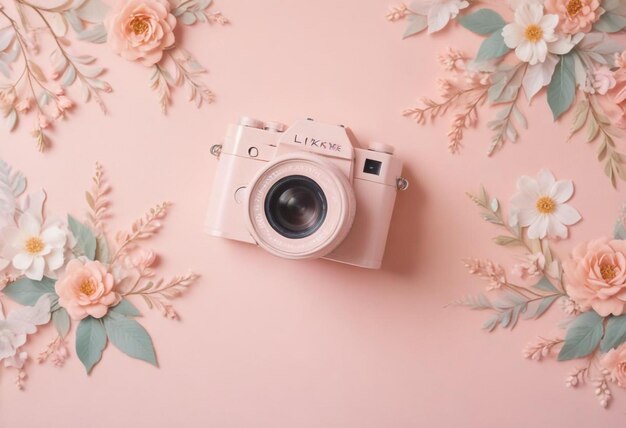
x: 561, y: 45
x: 590, y: 283
x: 65, y: 271
x: 143, y: 31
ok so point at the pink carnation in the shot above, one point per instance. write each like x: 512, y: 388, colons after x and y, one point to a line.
x: 575, y: 16
x: 139, y: 30
x: 86, y: 289
x: 595, y: 276
x: 615, y: 362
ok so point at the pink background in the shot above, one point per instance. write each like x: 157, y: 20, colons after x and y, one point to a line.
x: 268, y: 342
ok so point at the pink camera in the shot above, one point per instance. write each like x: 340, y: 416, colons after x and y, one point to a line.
x: 304, y: 192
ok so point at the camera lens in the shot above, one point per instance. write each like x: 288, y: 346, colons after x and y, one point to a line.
x: 295, y: 206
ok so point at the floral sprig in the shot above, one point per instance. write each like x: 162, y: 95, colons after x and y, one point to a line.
x: 69, y: 272
x: 590, y: 283
x: 561, y: 45
x: 138, y: 30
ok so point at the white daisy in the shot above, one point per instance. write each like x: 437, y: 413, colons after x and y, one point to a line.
x: 533, y: 34
x: 539, y: 204
x: 36, y: 248
x: 439, y: 12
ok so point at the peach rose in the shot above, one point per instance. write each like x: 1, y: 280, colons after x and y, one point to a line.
x: 86, y: 289
x: 139, y: 30
x: 595, y: 276
x: 575, y: 16
x: 615, y: 362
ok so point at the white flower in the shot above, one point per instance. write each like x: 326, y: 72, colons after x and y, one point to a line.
x: 36, y: 246
x: 533, y: 34
x: 439, y: 12
x: 540, y: 205
x: 20, y: 323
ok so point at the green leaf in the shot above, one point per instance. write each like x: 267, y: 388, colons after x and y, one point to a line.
x: 507, y: 241
x: 540, y: 308
x: 620, y: 230
x: 126, y: 308
x: 492, y: 47
x: 417, y: 24
x: 562, y: 88
x: 615, y: 333
x: 103, y: 254
x: 610, y: 23
x: 91, y: 338
x: 85, y: 239
x: 26, y: 291
x: 61, y: 321
x: 483, y: 22
x: 130, y: 337
x: 582, y: 337
x: 544, y: 284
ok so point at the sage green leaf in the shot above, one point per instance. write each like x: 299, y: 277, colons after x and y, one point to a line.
x: 130, y: 337
x: 61, y: 321
x: 126, y: 308
x: 26, y: 291
x: 103, y: 254
x: 610, y: 23
x: 583, y: 336
x: 562, y: 88
x: 492, y: 47
x: 91, y: 338
x: 544, y: 284
x: 85, y: 239
x: 417, y: 24
x: 615, y: 333
x: 540, y: 308
x: 620, y: 230
x: 483, y: 22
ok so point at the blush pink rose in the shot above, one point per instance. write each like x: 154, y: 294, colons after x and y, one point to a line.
x: 595, y: 276
x: 575, y: 16
x: 139, y: 30
x: 86, y: 289
x: 615, y: 362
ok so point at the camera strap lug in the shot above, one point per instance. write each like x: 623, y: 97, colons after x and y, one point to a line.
x: 216, y: 150
x: 402, y: 183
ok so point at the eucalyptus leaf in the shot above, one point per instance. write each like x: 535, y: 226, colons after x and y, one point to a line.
x: 610, y: 23
x: 61, y: 321
x: 126, y: 308
x: 27, y: 291
x: 483, y: 22
x: 561, y: 91
x: 492, y: 47
x: 91, y: 339
x: 583, y: 336
x: 417, y: 24
x: 130, y: 337
x: 615, y: 333
x: 85, y: 239
x: 103, y: 253
x: 544, y: 284
x: 541, y: 307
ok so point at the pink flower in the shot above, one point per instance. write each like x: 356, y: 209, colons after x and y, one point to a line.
x: 140, y: 259
x: 139, y: 30
x: 615, y: 362
x: 575, y: 15
x: 7, y: 100
x: 44, y: 121
x: 23, y: 105
x: 65, y: 103
x: 86, y: 289
x: 532, y: 266
x: 618, y: 94
x: 595, y: 276
x: 603, y: 80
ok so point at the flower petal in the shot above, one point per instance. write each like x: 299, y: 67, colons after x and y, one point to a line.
x: 29, y: 225
x: 22, y: 261
x: 562, y: 191
x: 513, y: 35
x: 567, y: 214
x: 556, y: 229
x: 35, y: 271
x: 55, y: 259
x: 545, y: 180
x: 539, y: 228
x: 54, y: 236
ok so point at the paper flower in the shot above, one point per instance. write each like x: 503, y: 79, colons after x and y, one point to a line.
x: 615, y: 362
x: 439, y: 12
x: 601, y: 82
x: 595, y: 276
x: 531, y: 34
x: 533, y: 265
x: 7, y: 100
x: 539, y: 204
x: 21, y: 322
x: 575, y: 15
x: 139, y: 30
x: 86, y: 289
x: 36, y: 247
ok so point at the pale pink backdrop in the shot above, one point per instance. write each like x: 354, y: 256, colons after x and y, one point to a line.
x: 265, y: 342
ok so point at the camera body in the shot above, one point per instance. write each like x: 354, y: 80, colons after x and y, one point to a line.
x: 304, y: 192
